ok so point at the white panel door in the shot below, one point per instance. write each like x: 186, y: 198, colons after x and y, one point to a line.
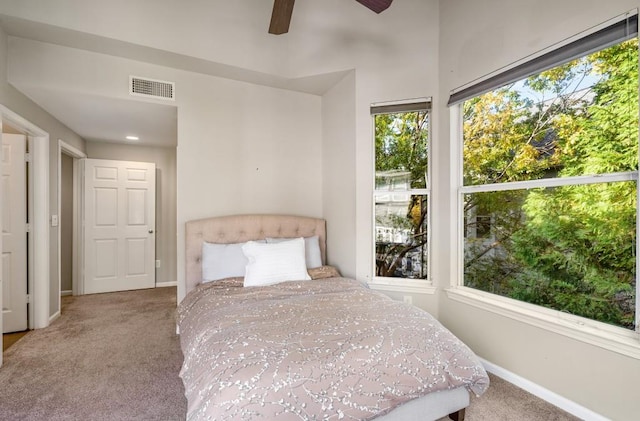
x: 119, y: 225
x: 14, y: 233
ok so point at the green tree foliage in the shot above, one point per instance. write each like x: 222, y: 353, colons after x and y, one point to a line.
x: 569, y: 248
x: 401, y: 146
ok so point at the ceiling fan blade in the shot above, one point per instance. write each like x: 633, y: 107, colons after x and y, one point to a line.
x: 281, y: 16
x: 376, y: 5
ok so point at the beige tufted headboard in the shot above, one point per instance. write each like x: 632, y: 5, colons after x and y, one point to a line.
x: 241, y: 228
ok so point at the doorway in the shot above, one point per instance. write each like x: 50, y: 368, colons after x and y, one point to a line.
x: 38, y: 279
x: 66, y: 225
x: 69, y: 218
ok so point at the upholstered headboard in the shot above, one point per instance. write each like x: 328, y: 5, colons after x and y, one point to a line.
x: 241, y: 228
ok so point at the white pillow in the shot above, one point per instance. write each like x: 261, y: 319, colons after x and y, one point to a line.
x: 276, y: 262
x: 220, y: 261
x: 313, y: 256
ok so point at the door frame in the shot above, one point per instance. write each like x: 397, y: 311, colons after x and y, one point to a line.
x: 38, y: 210
x: 78, y: 237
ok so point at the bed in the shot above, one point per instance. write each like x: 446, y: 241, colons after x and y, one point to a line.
x: 318, y: 347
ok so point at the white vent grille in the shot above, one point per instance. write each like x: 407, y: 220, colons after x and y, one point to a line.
x: 151, y: 88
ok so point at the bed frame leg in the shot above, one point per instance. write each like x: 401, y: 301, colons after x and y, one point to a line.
x: 458, y: 416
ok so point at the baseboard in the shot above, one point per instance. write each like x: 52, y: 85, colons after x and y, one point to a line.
x: 54, y: 316
x: 166, y: 284
x: 65, y: 293
x: 543, y: 393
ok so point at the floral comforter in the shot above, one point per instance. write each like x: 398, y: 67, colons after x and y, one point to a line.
x: 313, y: 350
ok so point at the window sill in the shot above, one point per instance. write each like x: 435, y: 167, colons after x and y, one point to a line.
x: 612, y: 338
x: 412, y: 286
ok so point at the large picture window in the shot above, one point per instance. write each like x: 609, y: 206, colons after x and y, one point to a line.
x: 549, y: 181
x: 401, y: 194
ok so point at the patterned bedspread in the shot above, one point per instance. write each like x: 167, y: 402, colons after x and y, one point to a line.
x: 313, y: 350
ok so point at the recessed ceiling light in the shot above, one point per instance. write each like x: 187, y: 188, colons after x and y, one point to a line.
x: 132, y: 138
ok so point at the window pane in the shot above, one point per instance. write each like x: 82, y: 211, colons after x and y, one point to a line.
x: 567, y: 248
x: 580, y: 118
x: 401, y: 235
x: 401, y: 146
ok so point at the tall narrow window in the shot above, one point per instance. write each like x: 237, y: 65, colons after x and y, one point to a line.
x: 401, y: 194
x: 550, y: 179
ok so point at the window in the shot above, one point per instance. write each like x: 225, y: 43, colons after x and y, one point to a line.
x: 401, y: 194
x: 549, y: 179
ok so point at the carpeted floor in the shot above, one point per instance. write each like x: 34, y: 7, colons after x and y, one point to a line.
x: 506, y: 402
x: 108, y: 357
x: 116, y: 357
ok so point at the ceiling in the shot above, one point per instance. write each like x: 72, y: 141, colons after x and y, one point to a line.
x: 95, y: 118
x: 103, y: 119
x: 195, y: 41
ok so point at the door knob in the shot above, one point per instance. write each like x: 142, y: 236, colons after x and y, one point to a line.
x: 150, y: 231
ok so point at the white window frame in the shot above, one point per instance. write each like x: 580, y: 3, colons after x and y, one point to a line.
x: 384, y: 283
x: 612, y: 338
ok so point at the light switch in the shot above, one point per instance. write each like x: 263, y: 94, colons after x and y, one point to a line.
x: 54, y: 220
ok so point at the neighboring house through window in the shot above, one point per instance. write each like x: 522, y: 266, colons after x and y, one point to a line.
x: 401, y: 194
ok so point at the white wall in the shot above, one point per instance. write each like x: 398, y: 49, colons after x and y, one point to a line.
x: 477, y: 38
x: 339, y: 174
x: 242, y: 148
x: 260, y: 148
x: 246, y: 149
x: 405, y: 68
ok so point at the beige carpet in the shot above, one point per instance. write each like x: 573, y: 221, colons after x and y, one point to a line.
x: 505, y: 402
x: 108, y: 357
x: 116, y: 357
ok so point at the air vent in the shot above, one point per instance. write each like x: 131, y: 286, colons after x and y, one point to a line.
x: 151, y: 88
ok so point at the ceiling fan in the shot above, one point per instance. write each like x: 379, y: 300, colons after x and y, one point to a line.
x: 282, y: 9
